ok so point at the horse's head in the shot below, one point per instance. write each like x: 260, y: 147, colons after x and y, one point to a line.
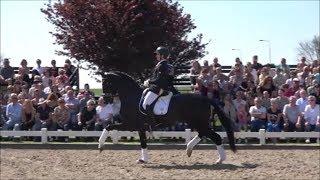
x: 117, y: 82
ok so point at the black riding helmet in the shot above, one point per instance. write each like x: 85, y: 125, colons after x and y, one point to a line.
x: 162, y: 51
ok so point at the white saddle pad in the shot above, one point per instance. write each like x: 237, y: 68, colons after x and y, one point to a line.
x: 162, y: 105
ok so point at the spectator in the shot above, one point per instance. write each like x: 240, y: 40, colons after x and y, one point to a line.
x: 83, y: 97
x: 252, y: 71
x: 220, y: 77
x: 87, y: 117
x: 293, y: 75
x: 229, y: 110
x: 292, y: 116
x: 13, y: 113
x: 24, y: 72
x: 236, y: 76
x: 279, y: 78
x: 73, y: 105
x: 28, y: 115
x: 214, y: 92
x: 303, y: 62
x: 238, y: 100
x: 215, y: 63
x: 43, y: 116
x: 195, y: 71
x: 6, y: 71
x: 203, y: 82
x: 284, y: 67
x: 62, y: 80
x: 303, y: 75
x: 54, y: 69
x: 265, y: 101
x: 61, y: 116
x: 255, y: 65
x: 46, y: 78
x: 88, y: 90
x: 302, y: 102
x: 105, y: 114
x: 39, y: 68
x: 287, y: 92
x: 264, y: 73
x: 312, y: 116
x: 274, y: 117
x: 52, y: 101
x: 69, y: 68
x: 258, y: 115
x: 242, y: 118
x: 281, y: 99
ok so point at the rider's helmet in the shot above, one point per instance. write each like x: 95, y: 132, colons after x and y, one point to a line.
x: 162, y: 51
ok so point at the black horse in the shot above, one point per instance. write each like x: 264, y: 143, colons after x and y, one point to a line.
x: 193, y: 109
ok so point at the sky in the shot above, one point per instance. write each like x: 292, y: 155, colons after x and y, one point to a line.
x: 226, y: 25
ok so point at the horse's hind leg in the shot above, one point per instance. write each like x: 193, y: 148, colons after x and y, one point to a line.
x: 143, y: 143
x: 216, y: 138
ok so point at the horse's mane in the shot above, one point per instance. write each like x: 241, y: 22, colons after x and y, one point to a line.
x: 126, y: 77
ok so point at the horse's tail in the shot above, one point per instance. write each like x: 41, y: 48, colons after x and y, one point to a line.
x: 227, y: 124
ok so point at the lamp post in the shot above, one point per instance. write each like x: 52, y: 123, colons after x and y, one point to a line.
x: 269, y: 43
x: 239, y: 53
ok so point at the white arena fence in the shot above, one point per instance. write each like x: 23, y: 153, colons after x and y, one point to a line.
x: 115, y: 135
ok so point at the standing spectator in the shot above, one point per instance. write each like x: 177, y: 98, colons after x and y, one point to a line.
x: 24, y: 72
x: 69, y: 67
x: 105, y: 114
x: 39, y: 68
x: 195, y: 71
x: 292, y: 116
x: 255, y: 65
x: 13, y: 113
x: 302, y: 102
x: 28, y: 115
x: 54, y: 69
x: 303, y: 61
x: 274, y: 116
x: 7, y: 71
x: 87, y: 117
x: 88, y: 90
x: 258, y: 115
x: 284, y: 67
x: 215, y: 63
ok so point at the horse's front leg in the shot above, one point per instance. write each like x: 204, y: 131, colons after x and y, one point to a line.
x: 143, y: 143
x: 104, y: 134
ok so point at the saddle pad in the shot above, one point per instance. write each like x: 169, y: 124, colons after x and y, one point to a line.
x: 162, y: 105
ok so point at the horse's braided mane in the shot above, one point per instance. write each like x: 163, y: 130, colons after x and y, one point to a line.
x: 124, y: 76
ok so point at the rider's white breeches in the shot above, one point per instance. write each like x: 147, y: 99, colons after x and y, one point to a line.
x: 149, y: 98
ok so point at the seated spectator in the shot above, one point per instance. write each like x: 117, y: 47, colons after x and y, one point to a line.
x: 43, y: 116
x: 24, y: 72
x: 61, y: 116
x: 215, y: 63
x: 238, y: 100
x: 52, y: 101
x: 220, y: 77
x: 73, y: 104
x: 195, y: 71
x: 6, y: 71
x: 303, y: 61
x: 266, y: 100
x: 105, y: 114
x: 258, y: 115
x: 255, y: 65
x: 236, y: 76
x: 46, y: 78
x: 214, y: 92
x: 302, y: 102
x: 274, y: 117
x: 289, y: 81
x: 292, y: 116
x: 87, y: 117
x: 13, y: 113
x: 83, y: 98
x: 203, y: 82
x: 264, y: 73
x: 303, y: 75
x: 252, y: 71
x: 312, y: 115
x: 62, y: 80
x: 287, y: 92
x: 69, y: 68
x: 266, y: 85
x: 28, y: 115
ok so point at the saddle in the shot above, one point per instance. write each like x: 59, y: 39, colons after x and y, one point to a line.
x: 160, y: 105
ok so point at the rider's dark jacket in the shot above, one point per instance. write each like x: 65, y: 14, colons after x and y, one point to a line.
x: 162, y: 78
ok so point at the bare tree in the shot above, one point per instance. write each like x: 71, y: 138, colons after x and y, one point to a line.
x: 310, y: 49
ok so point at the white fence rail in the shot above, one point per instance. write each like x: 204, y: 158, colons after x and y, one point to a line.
x: 187, y: 134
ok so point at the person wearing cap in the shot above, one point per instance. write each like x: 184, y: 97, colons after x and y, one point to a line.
x: 161, y: 80
x: 7, y: 71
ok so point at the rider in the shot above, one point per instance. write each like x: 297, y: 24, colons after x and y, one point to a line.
x: 161, y: 80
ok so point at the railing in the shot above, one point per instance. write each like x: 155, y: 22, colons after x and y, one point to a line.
x: 187, y: 134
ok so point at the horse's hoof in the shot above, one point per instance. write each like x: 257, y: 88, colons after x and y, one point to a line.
x: 220, y: 160
x: 189, y: 152
x: 140, y: 161
x: 100, y: 150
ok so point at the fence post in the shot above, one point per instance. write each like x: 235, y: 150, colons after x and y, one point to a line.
x: 188, y: 135
x: 44, y: 137
x: 262, y: 136
x: 16, y: 128
x: 114, y: 136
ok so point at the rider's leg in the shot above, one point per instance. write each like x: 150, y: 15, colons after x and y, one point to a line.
x: 149, y: 99
x: 216, y: 138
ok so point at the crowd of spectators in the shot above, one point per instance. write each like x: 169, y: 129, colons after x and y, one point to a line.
x: 252, y: 95
x: 42, y: 97
x: 256, y: 96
